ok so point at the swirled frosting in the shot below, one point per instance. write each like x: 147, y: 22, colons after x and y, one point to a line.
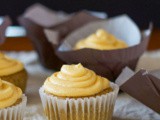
x: 75, y: 81
x: 9, y: 94
x: 101, y: 40
x: 9, y: 66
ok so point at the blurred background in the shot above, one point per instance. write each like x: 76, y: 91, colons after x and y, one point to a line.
x: 141, y: 11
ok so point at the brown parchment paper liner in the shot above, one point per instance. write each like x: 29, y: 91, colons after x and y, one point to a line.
x: 88, y: 108
x: 143, y: 86
x: 14, y: 112
x: 3, y: 26
x: 39, y: 20
x: 107, y: 63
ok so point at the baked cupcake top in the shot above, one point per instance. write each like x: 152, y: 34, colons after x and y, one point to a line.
x: 9, y: 66
x: 75, y: 81
x: 101, y: 40
x: 9, y: 94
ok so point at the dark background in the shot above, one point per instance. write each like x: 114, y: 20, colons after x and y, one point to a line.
x: 141, y: 11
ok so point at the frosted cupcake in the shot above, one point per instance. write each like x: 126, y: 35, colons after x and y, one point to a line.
x: 77, y: 93
x: 13, y: 71
x: 101, y: 40
x: 12, y: 102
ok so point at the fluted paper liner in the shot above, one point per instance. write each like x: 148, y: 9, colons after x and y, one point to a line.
x: 6, y: 21
x: 14, y: 112
x: 39, y: 21
x: 107, y: 63
x: 143, y: 86
x: 88, y: 108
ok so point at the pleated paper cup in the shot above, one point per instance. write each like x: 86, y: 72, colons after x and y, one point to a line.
x: 14, y: 112
x: 98, y: 107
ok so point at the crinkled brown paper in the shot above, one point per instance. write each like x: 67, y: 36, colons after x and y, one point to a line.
x: 143, y: 86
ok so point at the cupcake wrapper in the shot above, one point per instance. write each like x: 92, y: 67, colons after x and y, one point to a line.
x: 15, y: 112
x: 147, y: 82
x: 99, y: 107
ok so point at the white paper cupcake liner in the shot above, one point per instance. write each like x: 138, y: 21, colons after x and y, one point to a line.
x: 15, y: 112
x: 99, y: 107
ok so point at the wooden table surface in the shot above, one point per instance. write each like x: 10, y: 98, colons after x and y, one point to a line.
x: 24, y: 44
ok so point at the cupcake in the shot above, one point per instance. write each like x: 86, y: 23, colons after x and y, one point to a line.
x: 13, y: 71
x: 77, y: 93
x: 106, y: 46
x: 101, y: 40
x: 39, y: 21
x: 12, y: 101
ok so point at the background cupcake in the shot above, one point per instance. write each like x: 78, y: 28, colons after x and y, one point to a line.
x: 13, y: 71
x: 110, y: 61
x: 78, y: 93
x: 39, y: 21
x: 12, y: 102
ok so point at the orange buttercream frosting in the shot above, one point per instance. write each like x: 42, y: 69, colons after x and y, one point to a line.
x: 9, y: 94
x: 101, y: 40
x: 9, y: 66
x: 75, y: 81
